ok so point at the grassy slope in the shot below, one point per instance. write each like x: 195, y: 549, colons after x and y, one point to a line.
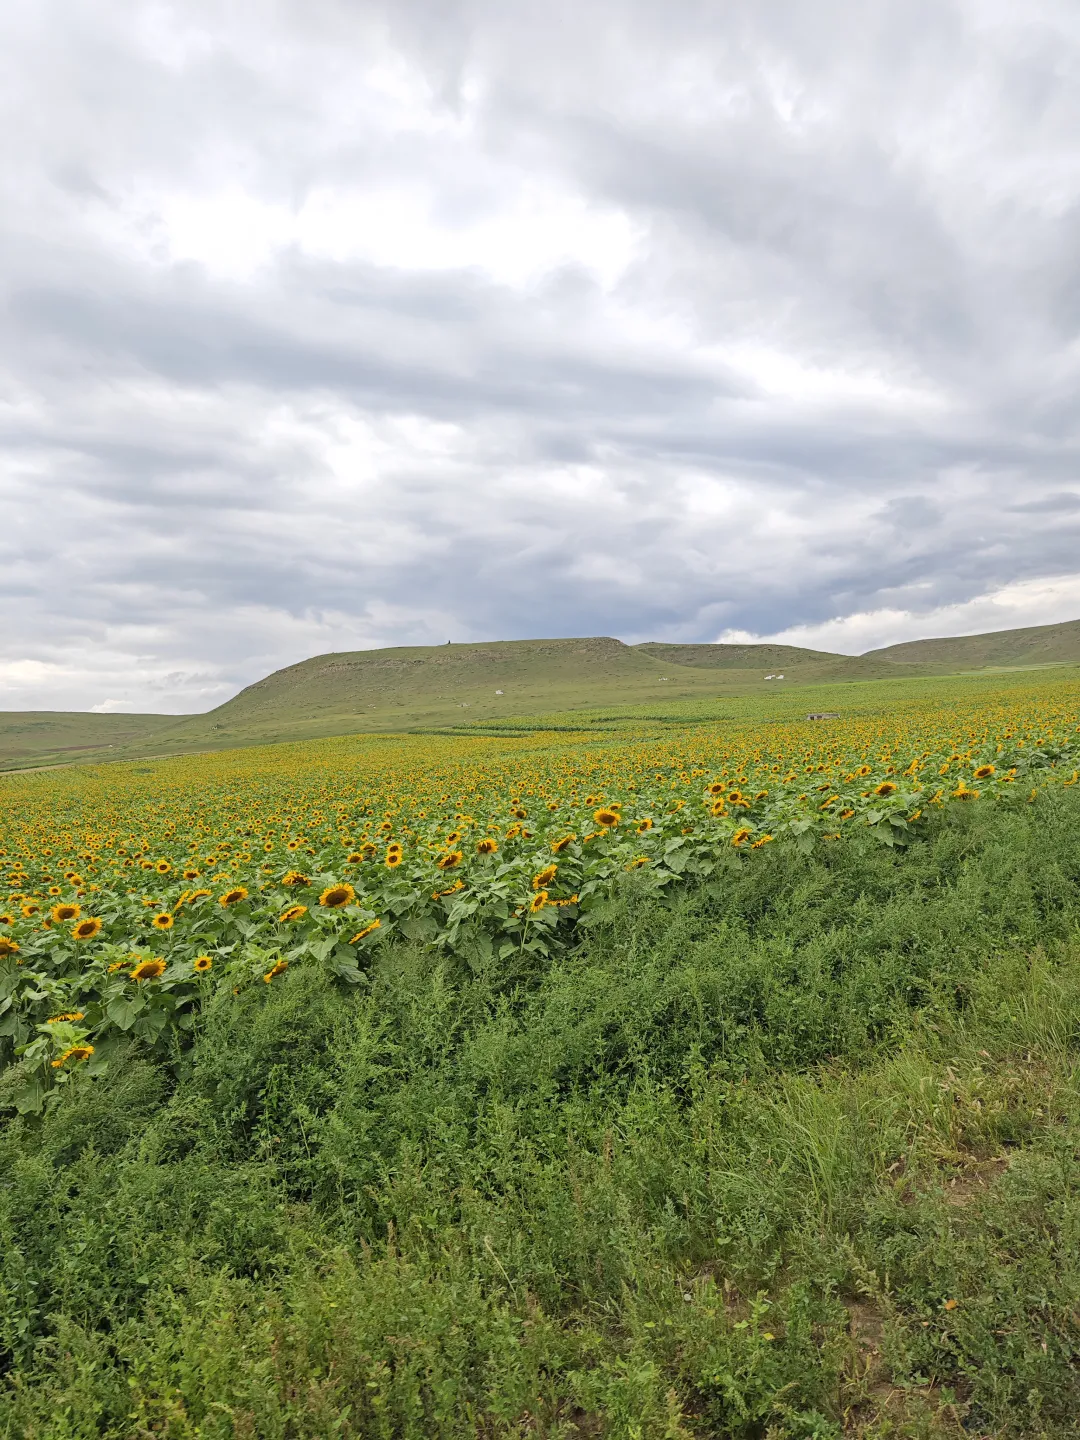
x: 43, y: 737
x: 796, y: 1157
x: 1036, y: 645
x: 418, y: 687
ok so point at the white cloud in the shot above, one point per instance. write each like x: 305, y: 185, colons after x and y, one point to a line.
x: 332, y: 325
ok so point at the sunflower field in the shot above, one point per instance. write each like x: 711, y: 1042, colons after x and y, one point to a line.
x: 133, y: 893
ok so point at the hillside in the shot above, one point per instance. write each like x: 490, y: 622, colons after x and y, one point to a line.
x: 1034, y: 645
x: 55, y: 737
x: 427, y: 686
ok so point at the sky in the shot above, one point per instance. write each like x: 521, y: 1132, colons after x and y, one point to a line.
x: 330, y: 325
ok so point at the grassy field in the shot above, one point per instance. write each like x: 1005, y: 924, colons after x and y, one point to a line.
x: 444, y: 686
x: 696, y: 1135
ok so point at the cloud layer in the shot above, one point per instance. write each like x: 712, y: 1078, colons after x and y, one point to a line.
x: 335, y: 324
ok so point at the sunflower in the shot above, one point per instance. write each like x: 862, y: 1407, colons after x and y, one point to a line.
x: 75, y: 1052
x: 449, y: 860
x: 163, y: 867
x: 202, y: 963
x: 191, y: 874
x: 644, y: 825
x: 7, y: 947
x: 963, y: 793
x: 453, y: 837
x: 275, y: 970
x: 163, y: 922
x: 369, y: 851
x: 984, y: 772
x: 69, y: 1015
x: 60, y: 913
x: 607, y: 818
x: 354, y: 859
x: 885, y: 788
x: 741, y: 836
x: 294, y: 877
x: 637, y: 863
x: 764, y: 840
x: 86, y: 929
x: 486, y: 846
x: 559, y: 846
x: 198, y: 895
x: 847, y: 814
x: 367, y: 930
x: 55, y: 890
x: 232, y: 897
x: 336, y: 896
x: 539, y: 900
x: 718, y: 807
x: 863, y: 770
x: 716, y: 788
x: 294, y: 912
x: 393, y: 859
x: 148, y: 970
x: 545, y: 877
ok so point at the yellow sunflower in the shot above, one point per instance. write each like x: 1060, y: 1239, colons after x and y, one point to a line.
x: 983, y: 772
x: 336, y: 896
x: 275, y: 970
x: 741, y: 836
x: 449, y: 860
x: 294, y: 912
x: 59, y: 913
x: 148, y: 970
x: 367, y: 930
x: 75, y: 1052
x: 163, y: 922
x: 232, y: 897
x: 8, y: 947
x: 86, y: 929
x: 545, y: 877
x: 486, y: 847
x: 885, y: 788
x: 607, y: 818
x: 202, y: 963
x: 558, y: 846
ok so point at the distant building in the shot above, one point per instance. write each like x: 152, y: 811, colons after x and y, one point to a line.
x: 825, y: 715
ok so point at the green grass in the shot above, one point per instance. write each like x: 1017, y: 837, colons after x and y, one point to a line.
x: 722, y: 1171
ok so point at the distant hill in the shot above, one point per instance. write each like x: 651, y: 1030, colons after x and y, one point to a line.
x: 435, y: 686
x: 1035, y: 645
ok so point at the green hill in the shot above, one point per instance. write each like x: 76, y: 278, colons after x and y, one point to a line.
x: 1034, y: 645
x: 56, y: 737
x: 436, y: 686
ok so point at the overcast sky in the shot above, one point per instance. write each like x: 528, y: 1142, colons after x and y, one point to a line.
x: 331, y: 324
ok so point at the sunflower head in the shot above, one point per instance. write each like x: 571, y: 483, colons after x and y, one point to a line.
x: 885, y: 788
x: 846, y: 814
x: 448, y: 860
x: 294, y: 877
x: 607, y: 817
x: 76, y: 1053
x: 163, y: 922
x: 545, y: 877
x: 537, y: 903
x: 558, y: 846
x: 644, y: 825
x: 367, y: 930
x: 232, y: 897
x: 86, y: 929
x: 762, y: 840
x: 191, y: 874
x: 30, y: 909
x: 354, y: 859
x: 334, y: 897
x: 163, y: 867
x: 984, y: 772
x: 716, y: 788
x: 293, y: 912
x: 60, y: 913
x: 7, y: 947
x: 148, y: 970
x: 276, y: 970
x: 202, y: 963
x: 741, y: 836
x: 486, y: 846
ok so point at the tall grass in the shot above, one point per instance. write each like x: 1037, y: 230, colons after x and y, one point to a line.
x: 795, y: 1155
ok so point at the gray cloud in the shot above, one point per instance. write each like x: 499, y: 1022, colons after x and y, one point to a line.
x: 339, y: 325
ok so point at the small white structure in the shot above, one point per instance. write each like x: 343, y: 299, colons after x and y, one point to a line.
x: 498, y: 692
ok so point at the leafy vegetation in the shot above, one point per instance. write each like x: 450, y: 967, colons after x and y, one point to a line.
x: 785, y: 1144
